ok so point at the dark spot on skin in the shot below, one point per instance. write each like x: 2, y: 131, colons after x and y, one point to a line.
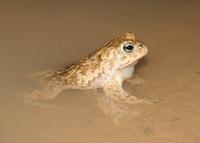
x: 99, y: 56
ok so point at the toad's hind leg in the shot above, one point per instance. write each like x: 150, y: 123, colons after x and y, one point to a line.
x: 114, y: 91
x: 36, y: 96
x: 48, y: 91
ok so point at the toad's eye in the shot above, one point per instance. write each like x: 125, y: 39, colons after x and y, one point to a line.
x: 128, y: 47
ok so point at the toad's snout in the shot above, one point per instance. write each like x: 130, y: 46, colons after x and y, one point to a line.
x: 142, y: 48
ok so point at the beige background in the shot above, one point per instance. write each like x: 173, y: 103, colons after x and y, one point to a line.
x: 43, y: 34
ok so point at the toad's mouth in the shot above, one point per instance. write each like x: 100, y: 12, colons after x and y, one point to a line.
x: 134, y: 63
x: 130, y: 64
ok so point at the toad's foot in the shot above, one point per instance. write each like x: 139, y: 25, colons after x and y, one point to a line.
x: 135, y: 80
x: 116, y: 93
x: 29, y: 98
x: 131, y: 99
x: 45, y: 93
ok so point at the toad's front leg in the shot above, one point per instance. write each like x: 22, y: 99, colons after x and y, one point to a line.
x: 114, y: 91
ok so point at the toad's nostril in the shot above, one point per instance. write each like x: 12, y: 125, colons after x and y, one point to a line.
x: 140, y: 45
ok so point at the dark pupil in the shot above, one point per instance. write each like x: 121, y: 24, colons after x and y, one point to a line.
x: 128, y: 48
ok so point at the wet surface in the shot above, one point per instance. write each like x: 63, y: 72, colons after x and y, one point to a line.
x: 50, y: 35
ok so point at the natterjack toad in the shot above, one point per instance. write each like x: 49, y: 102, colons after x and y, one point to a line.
x: 105, y: 68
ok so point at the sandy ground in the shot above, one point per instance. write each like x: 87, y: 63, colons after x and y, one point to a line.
x: 51, y: 34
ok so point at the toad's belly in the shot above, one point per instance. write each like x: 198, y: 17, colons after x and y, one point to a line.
x: 100, y: 81
x: 89, y: 82
x: 103, y: 79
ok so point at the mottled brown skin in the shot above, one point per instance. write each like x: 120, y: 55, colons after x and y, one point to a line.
x: 105, y: 68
